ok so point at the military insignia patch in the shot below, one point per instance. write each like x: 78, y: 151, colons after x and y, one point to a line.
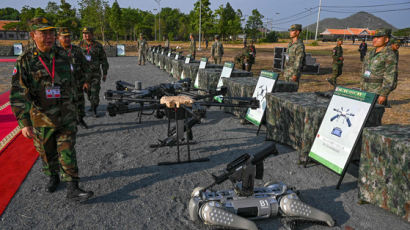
x: 14, y: 71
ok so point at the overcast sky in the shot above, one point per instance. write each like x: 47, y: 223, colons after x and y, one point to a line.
x: 280, y: 11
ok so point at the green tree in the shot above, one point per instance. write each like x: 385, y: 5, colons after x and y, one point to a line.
x: 129, y: 20
x: 402, y: 32
x: 253, y: 24
x: 207, y: 18
x: 94, y: 13
x: 9, y: 14
x: 115, y: 19
x: 229, y: 23
x: 66, y: 17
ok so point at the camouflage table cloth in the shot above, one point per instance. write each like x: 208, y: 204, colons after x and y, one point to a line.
x: 384, y: 177
x: 294, y: 119
x: 177, y: 67
x: 209, y: 77
x: 189, y: 69
x: 245, y: 86
x: 156, y: 59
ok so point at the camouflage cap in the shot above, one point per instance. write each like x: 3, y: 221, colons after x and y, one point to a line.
x: 295, y: 27
x: 339, y: 39
x: 63, y: 31
x: 395, y: 41
x: 88, y: 30
x: 216, y: 36
x: 40, y: 23
x: 382, y: 32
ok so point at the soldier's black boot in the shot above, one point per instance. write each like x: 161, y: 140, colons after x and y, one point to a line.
x: 53, y: 183
x: 82, y: 123
x: 74, y: 193
x: 94, y: 107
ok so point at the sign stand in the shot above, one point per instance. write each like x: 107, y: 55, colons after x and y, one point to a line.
x: 345, y: 117
x: 226, y: 73
x: 266, y: 83
x: 202, y: 65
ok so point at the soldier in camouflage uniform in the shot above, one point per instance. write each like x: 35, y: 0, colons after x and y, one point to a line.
x: 337, y: 64
x: 95, y: 55
x: 217, y: 50
x: 142, y: 48
x: 192, y: 46
x: 296, y: 55
x: 42, y: 98
x: 395, y: 46
x: 247, y: 57
x: 80, y: 71
x: 379, y: 73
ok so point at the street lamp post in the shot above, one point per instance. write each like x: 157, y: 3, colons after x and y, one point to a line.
x: 155, y: 24
x: 200, y: 23
x: 159, y: 18
x: 318, y: 19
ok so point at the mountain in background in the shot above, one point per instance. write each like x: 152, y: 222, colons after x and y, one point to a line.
x: 357, y: 20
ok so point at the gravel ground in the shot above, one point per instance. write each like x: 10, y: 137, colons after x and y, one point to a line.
x: 132, y: 192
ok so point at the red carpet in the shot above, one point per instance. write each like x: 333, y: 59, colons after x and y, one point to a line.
x: 8, y: 60
x: 17, y: 154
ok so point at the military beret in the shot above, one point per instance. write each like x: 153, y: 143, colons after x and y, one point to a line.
x: 40, y: 23
x: 295, y: 27
x: 88, y: 30
x: 63, y: 31
x: 395, y: 41
x: 382, y: 32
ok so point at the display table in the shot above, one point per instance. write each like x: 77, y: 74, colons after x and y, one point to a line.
x: 208, y: 78
x: 294, y: 119
x: 384, y: 176
x: 245, y: 86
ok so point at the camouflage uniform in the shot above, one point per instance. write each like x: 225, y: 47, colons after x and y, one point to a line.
x: 396, y: 53
x: 246, y: 58
x: 217, y: 51
x: 98, y: 60
x: 379, y: 71
x: 142, y: 47
x: 337, y: 64
x: 296, y: 55
x: 53, y: 120
x: 192, y: 47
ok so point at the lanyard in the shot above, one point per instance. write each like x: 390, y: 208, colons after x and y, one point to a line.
x: 48, y: 71
x: 88, y: 49
x: 69, y: 52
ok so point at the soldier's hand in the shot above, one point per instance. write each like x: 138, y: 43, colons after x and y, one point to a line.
x: 294, y: 78
x: 86, y: 86
x: 104, y: 78
x: 27, y: 132
x: 382, y: 100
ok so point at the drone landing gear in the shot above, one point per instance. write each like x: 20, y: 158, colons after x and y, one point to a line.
x: 181, y: 124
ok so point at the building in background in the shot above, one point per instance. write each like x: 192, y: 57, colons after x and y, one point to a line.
x: 347, y: 34
x: 12, y: 34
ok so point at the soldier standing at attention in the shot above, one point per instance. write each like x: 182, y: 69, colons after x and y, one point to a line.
x: 95, y: 55
x: 296, y: 55
x: 217, y: 50
x: 142, y: 48
x: 43, y: 94
x: 166, y: 45
x: 247, y: 57
x: 80, y: 71
x: 362, y: 50
x: 192, y: 46
x: 380, y: 67
x: 395, y: 45
x: 337, y: 55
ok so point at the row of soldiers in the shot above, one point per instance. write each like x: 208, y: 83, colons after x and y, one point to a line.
x: 47, y: 97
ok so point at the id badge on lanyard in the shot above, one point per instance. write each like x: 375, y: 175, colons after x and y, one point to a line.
x: 88, y: 56
x: 53, y: 92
